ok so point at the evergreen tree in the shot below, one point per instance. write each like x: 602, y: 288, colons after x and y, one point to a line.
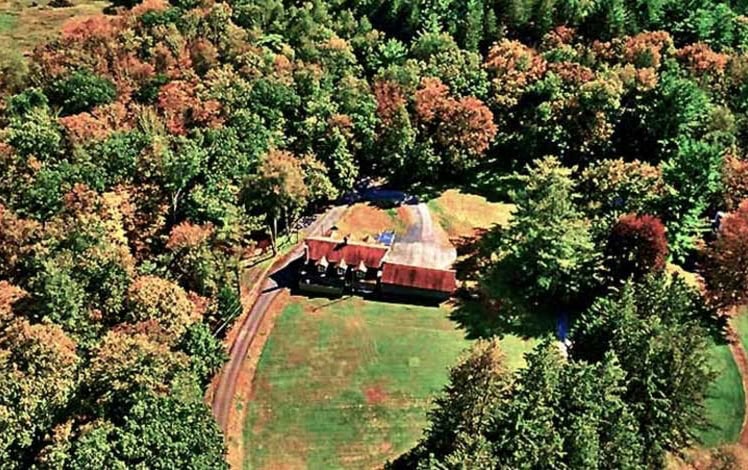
x: 548, y: 252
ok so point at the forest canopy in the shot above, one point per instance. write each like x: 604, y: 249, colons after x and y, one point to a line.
x: 142, y: 149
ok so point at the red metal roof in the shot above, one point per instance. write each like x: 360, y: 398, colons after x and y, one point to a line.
x: 352, y: 252
x: 441, y: 280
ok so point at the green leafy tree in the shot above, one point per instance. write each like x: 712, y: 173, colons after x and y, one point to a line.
x: 81, y: 91
x: 548, y: 252
x: 206, y: 353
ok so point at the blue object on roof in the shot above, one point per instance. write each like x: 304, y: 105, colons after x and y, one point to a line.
x: 562, y: 326
x: 386, y: 238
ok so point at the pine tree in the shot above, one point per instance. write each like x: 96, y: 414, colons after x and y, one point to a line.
x: 548, y: 252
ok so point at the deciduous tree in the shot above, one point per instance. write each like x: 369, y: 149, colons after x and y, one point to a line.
x: 636, y: 246
x: 726, y: 260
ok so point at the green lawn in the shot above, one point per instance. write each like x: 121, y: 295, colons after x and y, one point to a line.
x: 741, y: 324
x: 347, y: 383
x: 725, y: 404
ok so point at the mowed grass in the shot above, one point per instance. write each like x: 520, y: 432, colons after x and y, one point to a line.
x: 725, y: 403
x: 461, y: 214
x: 362, y: 220
x: 24, y: 24
x: 741, y: 324
x: 347, y: 383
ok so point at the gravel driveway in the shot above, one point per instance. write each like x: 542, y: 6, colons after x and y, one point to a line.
x: 424, y: 244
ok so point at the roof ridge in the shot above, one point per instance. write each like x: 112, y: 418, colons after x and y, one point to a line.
x: 349, y: 242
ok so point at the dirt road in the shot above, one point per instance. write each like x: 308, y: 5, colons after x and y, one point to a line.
x: 223, y: 400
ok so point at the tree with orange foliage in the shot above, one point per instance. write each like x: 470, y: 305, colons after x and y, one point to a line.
x: 390, y: 99
x: 17, y: 235
x: 9, y: 294
x: 701, y: 60
x: 725, y: 265
x: 513, y: 67
x: 467, y: 129
x: 464, y: 127
x: 735, y: 181
x: 430, y: 99
x: 182, y: 108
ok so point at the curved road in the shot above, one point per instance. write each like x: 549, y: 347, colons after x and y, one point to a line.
x: 223, y: 399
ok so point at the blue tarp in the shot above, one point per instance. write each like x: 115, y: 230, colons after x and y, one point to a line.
x: 386, y: 238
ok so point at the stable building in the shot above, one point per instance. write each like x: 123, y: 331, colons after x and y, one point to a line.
x: 333, y: 266
x: 415, y: 281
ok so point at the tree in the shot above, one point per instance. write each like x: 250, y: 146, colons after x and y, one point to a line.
x: 725, y: 264
x: 610, y: 188
x: 158, y: 432
x: 550, y: 414
x: 476, y: 386
x: 125, y: 365
x: 81, y: 91
x: 659, y: 330
x: 636, y: 246
x: 278, y: 188
x: 466, y: 130
x: 734, y: 181
x: 548, y: 252
x: 206, y: 353
x: 38, y: 375
x: 695, y: 173
x: 162, y: 301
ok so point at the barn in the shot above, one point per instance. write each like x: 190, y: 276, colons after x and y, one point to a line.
x: 416, y: 281
x: 333, y: 266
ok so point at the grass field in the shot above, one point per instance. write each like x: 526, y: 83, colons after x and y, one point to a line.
x: 460, y: 214
x: 741, y: 324
x: 362, y: 220
x: 347, y: 383
x: 725, y: 404
x: 25, y: 24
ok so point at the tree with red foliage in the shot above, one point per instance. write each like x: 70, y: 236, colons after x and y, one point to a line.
x: 725, y: 265
x: 390, y: 99
x: 636, y: 246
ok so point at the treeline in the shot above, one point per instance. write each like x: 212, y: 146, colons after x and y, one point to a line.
x: 139, y: 150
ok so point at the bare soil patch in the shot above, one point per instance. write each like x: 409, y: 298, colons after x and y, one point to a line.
x: 375, y: 394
